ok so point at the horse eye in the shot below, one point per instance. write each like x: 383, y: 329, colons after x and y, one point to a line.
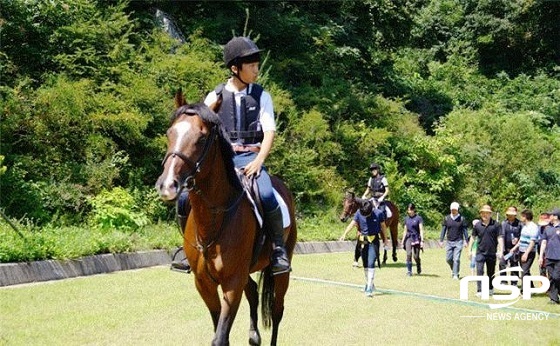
x: 202, y: 140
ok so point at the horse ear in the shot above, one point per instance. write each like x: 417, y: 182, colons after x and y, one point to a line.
x: 180, y: 98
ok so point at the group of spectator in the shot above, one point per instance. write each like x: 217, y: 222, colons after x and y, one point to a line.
x: 515, y: 242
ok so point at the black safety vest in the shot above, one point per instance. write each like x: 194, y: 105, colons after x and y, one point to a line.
x: 249, y: 131
x: 376, y: 184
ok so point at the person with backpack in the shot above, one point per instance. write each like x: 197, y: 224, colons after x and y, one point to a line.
x: 247, y: 113
x: 455, y: 225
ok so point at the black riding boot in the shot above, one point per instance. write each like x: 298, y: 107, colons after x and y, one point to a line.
x: 274, y: 226
x: 183, y: 210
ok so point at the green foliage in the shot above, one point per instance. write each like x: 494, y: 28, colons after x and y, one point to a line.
x: 501, y: 151
x: 116, y: 209
x: 79, y: 241
x: 457, y: 100
x: 2, y: 168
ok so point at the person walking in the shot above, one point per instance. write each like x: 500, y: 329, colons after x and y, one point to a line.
x: 413, y: 239
x: 473, y: 251
x: 527, y: 243
x: 550, y: 251
x: 486, y: 232
x: 455, y: 226
x: 370, y: 223
x: 511, y: 230
x: 543, y: 223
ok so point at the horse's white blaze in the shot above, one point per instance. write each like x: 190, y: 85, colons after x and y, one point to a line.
x: 181, y: 129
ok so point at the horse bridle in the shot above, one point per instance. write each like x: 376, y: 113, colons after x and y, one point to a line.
x: 188, y: 182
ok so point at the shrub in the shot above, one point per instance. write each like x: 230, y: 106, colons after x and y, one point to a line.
x: 116, y: 209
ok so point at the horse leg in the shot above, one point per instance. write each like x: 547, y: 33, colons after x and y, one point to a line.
x: 395, y: 237
x: 252, y: 295
x: 384, y: 256
x: 281, y: 283
x: 209, y: 293
x: 232, y: 292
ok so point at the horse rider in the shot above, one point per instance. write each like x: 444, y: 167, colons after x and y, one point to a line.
x: 378, y: 188
x: 247, y: 113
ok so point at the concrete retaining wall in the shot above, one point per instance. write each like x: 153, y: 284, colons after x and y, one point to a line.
x: 26, y: 272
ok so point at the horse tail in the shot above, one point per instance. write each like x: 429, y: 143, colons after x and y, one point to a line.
x: 266, y: 282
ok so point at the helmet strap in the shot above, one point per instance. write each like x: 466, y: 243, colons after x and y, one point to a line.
x: 236, y: 75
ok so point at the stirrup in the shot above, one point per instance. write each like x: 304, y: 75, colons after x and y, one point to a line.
x: 279, y: 262
x: 182, y: 265
x: 277, y: 270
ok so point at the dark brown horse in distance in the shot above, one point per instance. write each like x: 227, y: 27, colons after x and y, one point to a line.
x: 350, y: 205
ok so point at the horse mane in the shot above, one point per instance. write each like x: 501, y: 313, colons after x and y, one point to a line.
x: 210, y: 117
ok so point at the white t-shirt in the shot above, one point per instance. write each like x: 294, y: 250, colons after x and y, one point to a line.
x: 529, y: 232
x: 266, y: 113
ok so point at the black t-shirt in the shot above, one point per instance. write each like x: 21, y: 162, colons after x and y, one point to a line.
x: 454, y: 228
x: 552, y: 236
x: 510, y: 230
x: 487, y: 237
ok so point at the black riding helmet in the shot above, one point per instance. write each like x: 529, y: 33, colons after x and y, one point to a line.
x: 241, y: 50
x: 374, y: 166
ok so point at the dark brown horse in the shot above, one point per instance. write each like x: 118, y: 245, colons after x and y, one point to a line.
x: 351, y: 204
x: 222, y: 232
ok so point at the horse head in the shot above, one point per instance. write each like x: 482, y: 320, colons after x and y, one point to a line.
x: 349, y: 205
x: 191, y: 136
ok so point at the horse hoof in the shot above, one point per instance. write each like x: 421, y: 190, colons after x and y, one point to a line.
x: 394, y: 258
x: 254, y: 339
x: 384, y: 262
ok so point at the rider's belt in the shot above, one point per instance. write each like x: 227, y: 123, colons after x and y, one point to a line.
x: 367, y: 238
x: 244, y: 149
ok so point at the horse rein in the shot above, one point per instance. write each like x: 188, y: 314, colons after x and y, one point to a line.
x: 189, y: 183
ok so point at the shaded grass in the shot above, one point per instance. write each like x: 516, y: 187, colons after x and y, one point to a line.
x: 156, y: 306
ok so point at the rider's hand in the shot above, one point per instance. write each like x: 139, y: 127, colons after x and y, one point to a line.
x: 253, y: 168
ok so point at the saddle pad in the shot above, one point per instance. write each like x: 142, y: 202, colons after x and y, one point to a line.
x: 281, y: 203
x: 284, y: 208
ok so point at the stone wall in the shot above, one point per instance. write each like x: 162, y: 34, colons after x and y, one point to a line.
x: 26, y: 272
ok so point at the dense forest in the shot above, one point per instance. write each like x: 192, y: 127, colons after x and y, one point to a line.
x: 458, y: 100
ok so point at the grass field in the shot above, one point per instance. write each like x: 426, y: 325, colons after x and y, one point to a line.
x: 324, y: 306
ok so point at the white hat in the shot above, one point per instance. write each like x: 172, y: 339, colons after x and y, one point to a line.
x: 454, y: 206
